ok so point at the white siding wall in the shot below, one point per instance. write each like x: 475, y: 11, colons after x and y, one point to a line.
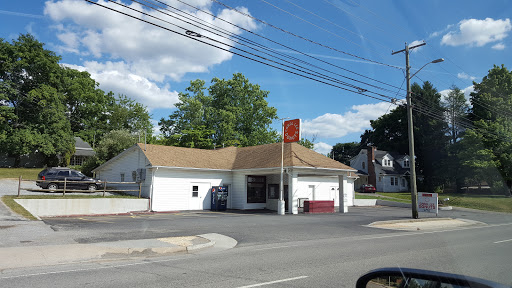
x: 127, y: 163
x: 357, y: 162
x: 172, y: 189
x: 385, y: 185
x: 323, y: 190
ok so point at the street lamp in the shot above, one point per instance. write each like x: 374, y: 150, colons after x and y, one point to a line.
x: 414, y: 188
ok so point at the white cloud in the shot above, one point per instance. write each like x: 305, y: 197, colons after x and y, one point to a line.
x: 499, y: 46
x: 474, y: 32
x: 337, y: 125
x: 414, y: 43
x: 465, y: 76
x: 322, y: 148
x: 116, y: 77
x: 151, y: 52
x: 467, y: 91
x: 437, y: 33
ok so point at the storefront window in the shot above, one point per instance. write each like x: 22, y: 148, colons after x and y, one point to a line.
x: 256, y: 189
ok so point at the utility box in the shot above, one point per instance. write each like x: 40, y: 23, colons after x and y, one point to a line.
x: 219, y: 198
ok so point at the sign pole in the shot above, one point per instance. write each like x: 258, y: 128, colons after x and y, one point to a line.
x: 280, y: 203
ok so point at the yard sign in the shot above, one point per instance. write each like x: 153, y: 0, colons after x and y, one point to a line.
x: 427, y: 202
x: 292, y: 130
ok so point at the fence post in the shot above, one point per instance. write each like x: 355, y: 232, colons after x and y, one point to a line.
x: 140, y: 188
x: 104, y: 187
x: 64, y: 191
x: 19, y: 187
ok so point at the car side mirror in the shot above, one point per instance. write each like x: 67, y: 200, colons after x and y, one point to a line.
x: 415, y: 278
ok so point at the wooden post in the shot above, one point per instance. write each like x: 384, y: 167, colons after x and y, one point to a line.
x: 19, y: 187
x: 64, y: 191
x: 140, y: 188
x: 104, y: 187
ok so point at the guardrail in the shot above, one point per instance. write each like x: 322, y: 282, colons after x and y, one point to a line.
x: 65, y: 189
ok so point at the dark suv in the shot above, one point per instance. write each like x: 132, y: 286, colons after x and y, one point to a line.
x: 51, y: 177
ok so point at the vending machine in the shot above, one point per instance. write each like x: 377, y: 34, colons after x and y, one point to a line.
x: 219, y: 198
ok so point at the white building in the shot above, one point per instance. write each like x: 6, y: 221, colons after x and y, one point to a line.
x: 177, y: 178
x: 386, y: 171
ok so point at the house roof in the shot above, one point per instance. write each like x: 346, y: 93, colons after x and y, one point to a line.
x: 396, y: 169
x: 83, y: 148
x: 233, y: 158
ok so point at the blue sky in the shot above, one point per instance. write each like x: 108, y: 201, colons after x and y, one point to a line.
x: 152, y: 65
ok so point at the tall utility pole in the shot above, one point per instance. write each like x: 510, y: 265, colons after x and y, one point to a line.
x: 414, y: 189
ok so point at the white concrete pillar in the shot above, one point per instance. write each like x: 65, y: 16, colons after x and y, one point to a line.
x: 293, y: 185
x: 342, y: 181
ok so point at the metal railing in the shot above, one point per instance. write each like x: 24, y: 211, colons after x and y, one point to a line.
x: 66, y: 189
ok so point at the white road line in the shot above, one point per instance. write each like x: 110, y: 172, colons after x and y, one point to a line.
x: 502, y: 241
x: 273, y: 282
x: 277, y: 247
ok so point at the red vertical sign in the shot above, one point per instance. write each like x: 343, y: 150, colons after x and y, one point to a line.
x: 291, y: 131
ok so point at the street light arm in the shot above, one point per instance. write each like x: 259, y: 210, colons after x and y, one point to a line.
x: 435, y: 61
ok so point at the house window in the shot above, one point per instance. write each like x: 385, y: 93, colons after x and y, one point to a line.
x: 394, y: 181
x: 195, y: 191
x: 256, y: 189
x: 380, y: 178
x: 363, y: 166
x: 122, y: 177
x: 134, y: 176
x: 406, y: 163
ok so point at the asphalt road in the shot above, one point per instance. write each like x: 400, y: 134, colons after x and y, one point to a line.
x: 331, y: 260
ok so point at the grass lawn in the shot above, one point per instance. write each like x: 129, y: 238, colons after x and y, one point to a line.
x: 26, y: 173
x: 9, y: 201
x: 496, y: 203
x: 383, y: 196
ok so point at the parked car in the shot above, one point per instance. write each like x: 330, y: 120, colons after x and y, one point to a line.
x: 50, y: 178
x: 367, y: 188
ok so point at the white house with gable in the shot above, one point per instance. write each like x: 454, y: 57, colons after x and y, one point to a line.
x: 177, y: 178
x: 386, y: 171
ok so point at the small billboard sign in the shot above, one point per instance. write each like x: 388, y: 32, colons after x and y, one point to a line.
x: 428, y: 202
x: 291, y: 131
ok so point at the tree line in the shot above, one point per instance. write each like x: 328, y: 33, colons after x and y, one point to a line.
x: 44, y: 104
x: 457, y: 144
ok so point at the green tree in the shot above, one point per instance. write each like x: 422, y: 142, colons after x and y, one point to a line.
x: 232, y: 112
x: 34, y: 115
x: 343, y: 152
x: 491, y: 109
x: 456, y: 108
x: 389, y: 132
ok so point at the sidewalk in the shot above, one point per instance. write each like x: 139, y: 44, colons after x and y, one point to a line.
x: 29, y: 256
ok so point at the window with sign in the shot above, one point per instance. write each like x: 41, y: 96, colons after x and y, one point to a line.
x: 256, y: 189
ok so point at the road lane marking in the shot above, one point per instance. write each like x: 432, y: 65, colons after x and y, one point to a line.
x: 273, y: 282
x: 508, y: 240
x: 277, y: 247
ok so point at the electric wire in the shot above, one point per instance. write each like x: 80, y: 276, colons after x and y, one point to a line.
x: 285, y: 46
x: 304, y: 38
x: 192, y: 35
x: 322, y: 76
x: 243, y: 39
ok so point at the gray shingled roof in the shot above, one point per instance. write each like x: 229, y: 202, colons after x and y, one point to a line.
x: 396, y: 169
x: 83, y: 148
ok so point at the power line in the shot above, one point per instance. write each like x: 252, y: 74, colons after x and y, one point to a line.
x: 327, y: 20
x: 258, y: 45
x: 322, y: 76
x: 195, y: 36
x: 304, y: 38
x: 285, y: 46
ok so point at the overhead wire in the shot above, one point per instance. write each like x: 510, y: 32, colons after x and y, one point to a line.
x: 285, y: 46
x: 194, y: 36
x: 304, y: 38
x: 243, y: 39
